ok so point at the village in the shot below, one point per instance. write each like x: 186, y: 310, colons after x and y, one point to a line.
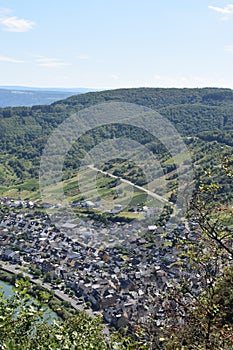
x: 123, y: 282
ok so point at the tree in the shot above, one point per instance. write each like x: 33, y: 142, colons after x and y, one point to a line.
x: 203, y: 317
x: 198, y: 307
x: 24, y: 327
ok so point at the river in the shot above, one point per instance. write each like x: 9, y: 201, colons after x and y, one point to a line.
x: 8, y: 291
x: 6, y: 288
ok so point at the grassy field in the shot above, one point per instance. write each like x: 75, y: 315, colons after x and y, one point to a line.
x: 90, y: 185
x: 108, y: 192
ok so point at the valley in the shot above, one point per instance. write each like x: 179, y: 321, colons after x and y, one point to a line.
x: 112, y: 236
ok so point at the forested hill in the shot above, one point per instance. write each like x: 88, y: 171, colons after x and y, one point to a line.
x: 205, y: 113
x: 158, y: 97
x: 192, y: 110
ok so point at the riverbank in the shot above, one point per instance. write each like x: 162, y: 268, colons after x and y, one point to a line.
x: 58, y: 302
x: 8, y: 291
x: 59, y: 305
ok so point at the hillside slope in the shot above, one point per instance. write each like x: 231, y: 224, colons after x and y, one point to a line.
x: 203, y: 114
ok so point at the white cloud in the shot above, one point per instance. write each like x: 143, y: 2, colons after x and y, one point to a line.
x: 226, y: 11
x: 10, y: 60
x: 229, y: 48
x: 83, y: 57
x: 49, y: 62
x: 114, y: 76
x: 13, y: 23
x: 53, y: 64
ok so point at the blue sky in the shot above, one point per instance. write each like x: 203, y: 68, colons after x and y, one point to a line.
x: 116, y: 43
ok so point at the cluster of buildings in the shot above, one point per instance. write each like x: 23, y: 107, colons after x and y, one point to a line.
x: 124, y: 282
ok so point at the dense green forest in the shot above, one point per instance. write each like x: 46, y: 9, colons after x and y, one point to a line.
x: 203, y: 117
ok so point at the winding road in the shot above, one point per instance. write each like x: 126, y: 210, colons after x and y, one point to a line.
x: 150, y: 193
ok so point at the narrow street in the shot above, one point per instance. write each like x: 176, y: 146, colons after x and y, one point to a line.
x: 59, y: 294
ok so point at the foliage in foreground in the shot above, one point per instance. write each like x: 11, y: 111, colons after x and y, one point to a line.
x: 24, y: 326
x: 203, y: 318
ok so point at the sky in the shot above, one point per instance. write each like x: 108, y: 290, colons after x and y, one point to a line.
x: 104, y: 44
